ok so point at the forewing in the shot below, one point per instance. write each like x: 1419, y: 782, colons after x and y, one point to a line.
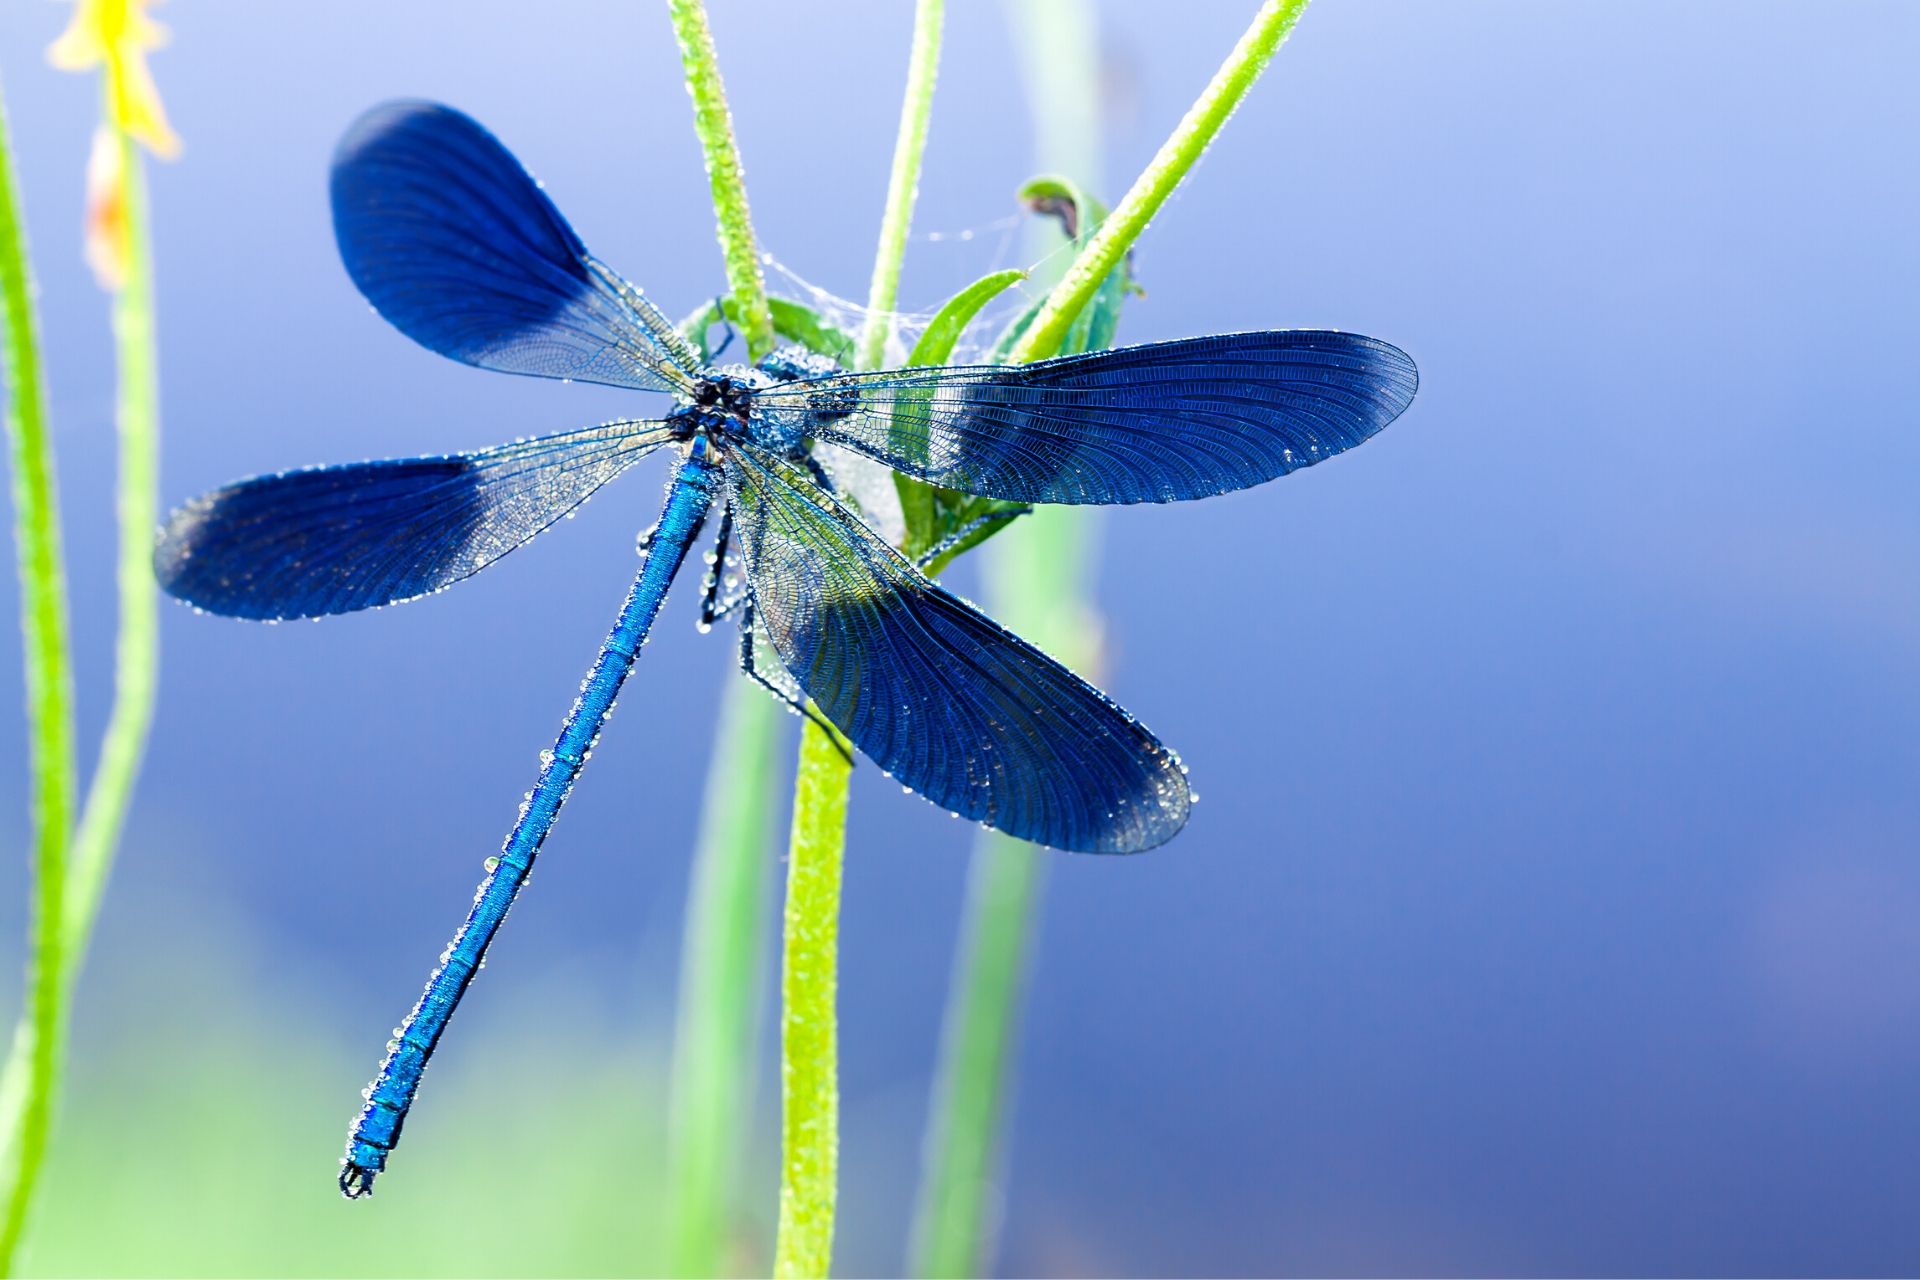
x: 456, y: 245
x: 943, y: 698
x: 326, y: 540
x: 1153, y: 423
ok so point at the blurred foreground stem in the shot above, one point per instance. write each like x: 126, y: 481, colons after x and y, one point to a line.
x: 1038, y: 582
x: 715, y: 1039
x: 26, y: 1101
x: 137, y: 648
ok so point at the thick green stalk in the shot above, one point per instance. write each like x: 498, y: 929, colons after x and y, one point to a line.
x: 1168, y: 168
x: 725, y: 178
x: 809, y: 1036
x: 49, y: 680
x: 720, y: 986
x: 923, y: 65
x: 137, y: 648
x: 809, y: 983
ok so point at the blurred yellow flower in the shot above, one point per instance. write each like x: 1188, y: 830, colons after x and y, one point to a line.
x: 116, y: 36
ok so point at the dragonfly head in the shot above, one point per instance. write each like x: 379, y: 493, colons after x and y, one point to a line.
x: 720, y: 401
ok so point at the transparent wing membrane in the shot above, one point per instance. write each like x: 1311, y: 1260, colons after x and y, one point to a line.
x: 303, y: 544
x: 1155, y: 423
x: 459, y: 248
x: 939, y: 695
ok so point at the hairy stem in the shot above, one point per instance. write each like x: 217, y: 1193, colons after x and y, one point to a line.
x: 923, y: 65
x: 49, y: 679
x: 720, y: 987
x: 809, y: 1038
x: 721, y: 949
x: 714, y: 123
x: 1168, y: 168
x: 809, y: 982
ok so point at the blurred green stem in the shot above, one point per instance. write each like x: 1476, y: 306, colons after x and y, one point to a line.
x: 137, y: 648
x: 725, y: 179
x: 809, y: 1034
x: 923, y: 66
x: 1163, y: 174
x: 26, y: 1110
x: 1038, y: 580
x: 720, y: 989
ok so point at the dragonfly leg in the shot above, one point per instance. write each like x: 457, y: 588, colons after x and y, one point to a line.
x: 712, y: 606
x: 790, y: 695
x: 966, y: 531
x: 721, y: 310
x: 376, y: 1130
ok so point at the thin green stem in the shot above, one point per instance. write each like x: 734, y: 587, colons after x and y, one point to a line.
x: 923, y: 67
x: 1169, y: 167
x: 720, y: 984
x: 137, y: 649
x: 809, y: 1029
x: 49, y: 680
x: 713, y: 122
x: 809, y: 983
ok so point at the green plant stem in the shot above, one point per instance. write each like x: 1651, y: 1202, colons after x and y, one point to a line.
x: 923, y: 66
x: 1168, y: 168
x: 720, y: 956
x: 137, y: 648
x: 809, y: 1030
x: 49, y: 680
x: 997, y: 928
x: 720, y: 985
x: 713, y: 122
x: 809, y: 983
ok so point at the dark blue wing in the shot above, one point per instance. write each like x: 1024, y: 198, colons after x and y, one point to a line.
x: 943, y: 698
x: 303, y: 544
x: 1153, y: 423
x: 456, y: 245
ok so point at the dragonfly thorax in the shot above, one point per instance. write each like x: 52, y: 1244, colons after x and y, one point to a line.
x: 720, y: 402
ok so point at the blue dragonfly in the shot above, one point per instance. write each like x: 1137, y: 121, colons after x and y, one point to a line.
x: 456, y: 245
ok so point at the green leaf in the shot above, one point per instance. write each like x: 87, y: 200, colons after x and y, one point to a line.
x: 794, y: 321
x: 925, y: 507
x: 944, y: 330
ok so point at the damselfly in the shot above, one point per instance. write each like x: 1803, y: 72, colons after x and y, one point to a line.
x: 456, y: 245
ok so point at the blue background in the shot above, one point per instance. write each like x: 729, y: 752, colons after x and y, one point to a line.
x: 1552, y: 904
